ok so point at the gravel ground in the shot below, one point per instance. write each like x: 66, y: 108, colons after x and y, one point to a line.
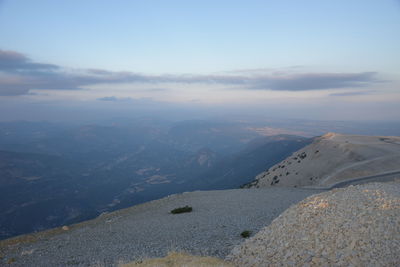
x: 149, y: 230
x: 354, y: 226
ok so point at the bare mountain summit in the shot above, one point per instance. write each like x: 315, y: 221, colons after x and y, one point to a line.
x: 335, y: 158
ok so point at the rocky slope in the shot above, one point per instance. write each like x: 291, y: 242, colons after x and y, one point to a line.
x: 333, y: 158
x: 150, y: 230
x: 354, y: 226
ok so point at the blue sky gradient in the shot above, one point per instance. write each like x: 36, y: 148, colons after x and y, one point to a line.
x: 183, y: 51
x: 204, y: 36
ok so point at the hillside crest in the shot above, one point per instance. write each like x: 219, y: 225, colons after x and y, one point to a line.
x: 334, y: 158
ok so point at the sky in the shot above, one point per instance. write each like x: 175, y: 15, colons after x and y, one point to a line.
x: 328, y: 60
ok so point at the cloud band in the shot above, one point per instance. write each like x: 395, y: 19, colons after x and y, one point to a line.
x: 19, y: 74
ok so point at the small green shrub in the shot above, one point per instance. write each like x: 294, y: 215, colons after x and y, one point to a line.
x: 245, y: 234
x: 182, y: 210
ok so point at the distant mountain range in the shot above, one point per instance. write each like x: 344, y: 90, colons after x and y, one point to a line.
x: 54, y: 174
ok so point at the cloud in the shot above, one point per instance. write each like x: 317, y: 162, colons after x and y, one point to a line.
x: 154, y: 90
x: 114, y: 98
x: 108, y: 98
x: 14, y: 62
x: 19, y: 75
x: 353, y: 93
x: 317, y: 81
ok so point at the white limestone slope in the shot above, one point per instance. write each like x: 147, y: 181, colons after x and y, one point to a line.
x: 333, y: 158
x: 352, y: 226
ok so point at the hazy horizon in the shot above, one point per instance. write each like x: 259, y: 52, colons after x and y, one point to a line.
x: 286, y: 59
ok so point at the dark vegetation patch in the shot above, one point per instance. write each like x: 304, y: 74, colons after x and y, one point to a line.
x: 303, y: 155
x: 245, y: 234
x: 182, y: 210
x: 275, y: 181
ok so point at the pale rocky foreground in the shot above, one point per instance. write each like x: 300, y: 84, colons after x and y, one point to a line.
x: 354, y: 226
x: 149, y: 230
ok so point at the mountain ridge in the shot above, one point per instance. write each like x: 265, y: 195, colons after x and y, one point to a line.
x: 333, y: 158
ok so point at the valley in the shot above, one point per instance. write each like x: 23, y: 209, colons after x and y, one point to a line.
x: 53, y: 175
